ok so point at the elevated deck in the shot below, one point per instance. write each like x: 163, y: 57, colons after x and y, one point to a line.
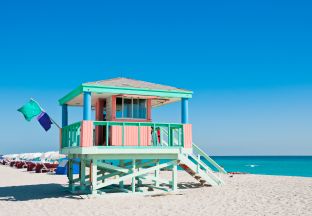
x: 124, y: 153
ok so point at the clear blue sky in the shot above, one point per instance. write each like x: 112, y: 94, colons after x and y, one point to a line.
x: 249, y: 64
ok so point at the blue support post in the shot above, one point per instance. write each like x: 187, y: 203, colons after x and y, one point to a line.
x: 86, y: 105
x: 184, y: 111
x: 64, y: 115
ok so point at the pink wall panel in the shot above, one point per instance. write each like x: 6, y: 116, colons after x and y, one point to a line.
x: 131, y: 136
x: 116, y: 135
x: 86, y: 134
x: 145, y: 139
x: 188, y: 142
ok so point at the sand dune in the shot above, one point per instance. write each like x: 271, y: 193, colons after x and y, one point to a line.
x: 23, y: 193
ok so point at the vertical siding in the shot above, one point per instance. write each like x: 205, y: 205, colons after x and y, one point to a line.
x: 146, y: 136
x: 131, y: 136
x: 188, y: 142
x: 116, y: 135
x: 86, y: 134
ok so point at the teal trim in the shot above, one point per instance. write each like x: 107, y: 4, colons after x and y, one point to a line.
x: 107, y: 133
x: 77, y: 91
x: 138, y: 91
x: 122, y: 90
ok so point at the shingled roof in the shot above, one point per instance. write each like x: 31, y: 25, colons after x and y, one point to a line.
x: 132, y: 83
x: 124, y: 86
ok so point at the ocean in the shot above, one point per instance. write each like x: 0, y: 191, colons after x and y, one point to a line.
x: 267, y: 165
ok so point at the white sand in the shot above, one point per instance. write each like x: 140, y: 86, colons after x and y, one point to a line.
x: 23, y: 193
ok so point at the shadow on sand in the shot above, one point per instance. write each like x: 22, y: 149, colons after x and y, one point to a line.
x: 190, y: 185
x: 46, y: 191
x: 34, y: 192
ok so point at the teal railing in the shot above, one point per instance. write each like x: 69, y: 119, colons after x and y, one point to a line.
x: 159, y: 138
x: 71, y: 135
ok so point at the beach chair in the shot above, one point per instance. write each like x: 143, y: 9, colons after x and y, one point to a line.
x: 12, y: 163
x: 51, y: 167
x: 39, y: 168
x: 31, y: 166
x: 45, y: 167
x: 21, y: 164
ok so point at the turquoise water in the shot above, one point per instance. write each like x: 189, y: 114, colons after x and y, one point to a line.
x: 267, y: 165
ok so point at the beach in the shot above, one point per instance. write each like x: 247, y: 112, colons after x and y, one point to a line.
x: 24, y: 193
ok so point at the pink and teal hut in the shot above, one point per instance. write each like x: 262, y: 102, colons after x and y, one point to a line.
x: 118, y: 145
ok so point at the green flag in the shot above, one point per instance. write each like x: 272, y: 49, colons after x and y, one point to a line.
x: 30, y: 110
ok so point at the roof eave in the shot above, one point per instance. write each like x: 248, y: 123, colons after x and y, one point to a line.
x: 124, y: 90
x: 138, y: 91
x: 74, y: 93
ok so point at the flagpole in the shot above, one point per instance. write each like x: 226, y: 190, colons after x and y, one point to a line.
x: 55, y: 123
x: 44, y: 111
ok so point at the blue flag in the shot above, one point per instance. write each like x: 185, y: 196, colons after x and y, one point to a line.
x: 45, y: 121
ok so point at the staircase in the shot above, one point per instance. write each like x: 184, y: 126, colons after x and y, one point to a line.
x: 192, y: 162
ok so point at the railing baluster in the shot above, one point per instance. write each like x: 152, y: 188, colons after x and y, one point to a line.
x: 182, y: 135
x: 78, y: 136
x: 169, y: 136
x: 107, y: 133
x: 154, y: 135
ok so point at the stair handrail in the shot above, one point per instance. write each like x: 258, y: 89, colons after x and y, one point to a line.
x: 209, y: 159
x: 202, y: 154
x: 206, y: 169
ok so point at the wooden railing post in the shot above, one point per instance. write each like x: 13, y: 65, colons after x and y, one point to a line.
x: 107, y: 133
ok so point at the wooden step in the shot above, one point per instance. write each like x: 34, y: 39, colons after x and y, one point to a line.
x: 202, y: 182
x: 193, y: 173
x: 197, y: 177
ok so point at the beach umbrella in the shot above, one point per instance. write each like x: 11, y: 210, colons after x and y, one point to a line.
x: 48, y: 156
x: 45, y: 156
x: 10, y: 156
x: 15, y: 156
x: 33, y: 156
x: 56, y: 156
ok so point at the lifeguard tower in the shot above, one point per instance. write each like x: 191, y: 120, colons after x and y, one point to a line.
x: 121, y: 148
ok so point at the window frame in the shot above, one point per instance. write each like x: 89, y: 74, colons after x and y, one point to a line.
x: 132, y: 113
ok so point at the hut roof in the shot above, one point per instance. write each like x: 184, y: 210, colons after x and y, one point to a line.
x: 127, y: 82
x: 126, y: 86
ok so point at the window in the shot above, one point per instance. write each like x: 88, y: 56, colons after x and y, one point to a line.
x: 118, y: 107
x: 131, y: 108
